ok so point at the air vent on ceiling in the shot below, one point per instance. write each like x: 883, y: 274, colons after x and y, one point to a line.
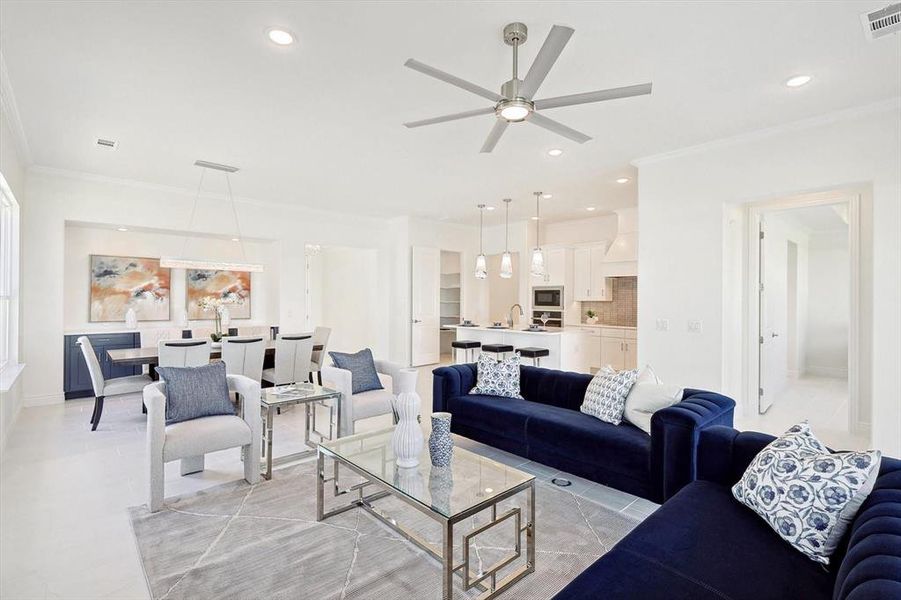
x: 882, y: 22
x: 219, y: 167
x: 108, y: 144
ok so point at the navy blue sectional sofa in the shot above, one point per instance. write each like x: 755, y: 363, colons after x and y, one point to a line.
x: 704, y: 544
x: 547, y: 427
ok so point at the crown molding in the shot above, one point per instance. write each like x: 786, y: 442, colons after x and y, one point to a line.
x: 11, y: 111
x: 847, y: 114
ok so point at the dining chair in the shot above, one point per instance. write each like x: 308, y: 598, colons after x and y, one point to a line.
x: 320, y: 338
x: 103, y: 387
x: 183, y: 353
x: 244, y: 356
x: 293, y: 353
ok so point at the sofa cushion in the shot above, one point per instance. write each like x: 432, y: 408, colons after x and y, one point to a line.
x: 505, y: 417
x: 200, y: 436
x: 702, y: 544
x: 620, y: 448
x: 556, y: 388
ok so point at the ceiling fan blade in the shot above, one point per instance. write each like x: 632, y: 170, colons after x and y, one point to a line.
x: 453, y: 80
x: 463, y: 115
x: 558, y: 128
x: 547, y: 56
x: 496, y: 132
x: 600, y: 95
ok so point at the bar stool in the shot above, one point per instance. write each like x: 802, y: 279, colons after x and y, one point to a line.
x: 468, y: 347
x: 499, y: 350
x: 534, y: 353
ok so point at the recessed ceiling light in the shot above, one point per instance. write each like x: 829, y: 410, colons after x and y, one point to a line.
x: 489, y: 208
x: 589, y: 208
x: 534, y: 218
x: 622, y: 180
x: 280, y: 37
x: 121, y: 229
x: 555, y: 152
x: 547, y: 196
x: 236, y: 240
x: 798, y: 80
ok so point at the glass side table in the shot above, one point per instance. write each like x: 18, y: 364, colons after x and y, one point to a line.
x: 309, y: 395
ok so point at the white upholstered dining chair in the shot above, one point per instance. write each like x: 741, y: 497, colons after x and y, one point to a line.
x: 183, y: 353
x: 104, y: 388
x: 356, y: 407
x: 190, y: 441
x: 293, y: 353
x: 244, y: 356
x: 320, y: 338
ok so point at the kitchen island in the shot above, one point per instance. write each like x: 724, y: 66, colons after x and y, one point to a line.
x: 561, y: 343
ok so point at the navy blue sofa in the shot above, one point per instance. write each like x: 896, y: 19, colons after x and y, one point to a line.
x: 547, y: 427
x: 704, y: 544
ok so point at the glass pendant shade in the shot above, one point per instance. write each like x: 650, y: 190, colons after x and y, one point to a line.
x: 506, y: 266
x: 481, y: 267
x: 537, y: 263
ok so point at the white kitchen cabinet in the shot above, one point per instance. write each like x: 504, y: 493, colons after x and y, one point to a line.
x: 555, y: 267
x: 589, y: 279
x: 619, y: 348
x: 592, y: 342
x: 631, y: 354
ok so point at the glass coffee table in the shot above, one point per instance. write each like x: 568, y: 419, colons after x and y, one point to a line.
x: 309, y: 395
x: 449, y: 495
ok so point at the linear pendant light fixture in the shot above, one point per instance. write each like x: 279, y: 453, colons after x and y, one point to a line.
x: 537, y: 268
x: 481, y: 263
x: 506, y: 259
x: 212, y: 265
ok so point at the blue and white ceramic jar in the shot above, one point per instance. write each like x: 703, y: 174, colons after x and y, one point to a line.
x: 441, y: 446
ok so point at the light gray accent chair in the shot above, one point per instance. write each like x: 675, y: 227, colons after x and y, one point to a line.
x: 244, y: 356
x: 184, y: 353
x: 356, y: 407
x: 293, y: 353
x: 190, y: 441
x: 104, y: 388
x: 320, y: 338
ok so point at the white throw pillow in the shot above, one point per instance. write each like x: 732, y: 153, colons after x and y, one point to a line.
x: 646, y: 398
x: 605, y: 397
x: 498, y: 378
x: 806, y: 493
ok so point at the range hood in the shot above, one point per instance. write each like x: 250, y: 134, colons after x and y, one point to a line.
x: 621, y: 259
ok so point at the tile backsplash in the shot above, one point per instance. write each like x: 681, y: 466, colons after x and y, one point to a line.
x: 624, y: 308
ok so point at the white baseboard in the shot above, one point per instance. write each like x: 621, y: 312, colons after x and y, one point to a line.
x: 821, y: 371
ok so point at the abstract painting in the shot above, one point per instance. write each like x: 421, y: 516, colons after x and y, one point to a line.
x: 119, y: 283
x: 232, y: 288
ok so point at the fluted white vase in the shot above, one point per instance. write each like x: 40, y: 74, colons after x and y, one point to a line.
x: 408, y: 439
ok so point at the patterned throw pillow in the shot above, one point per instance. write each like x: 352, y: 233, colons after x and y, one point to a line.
x: 806, y: 493
x: 606, y: 395
x: 498, y: 377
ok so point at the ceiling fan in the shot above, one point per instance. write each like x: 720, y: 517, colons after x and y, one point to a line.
x: 515, y: 104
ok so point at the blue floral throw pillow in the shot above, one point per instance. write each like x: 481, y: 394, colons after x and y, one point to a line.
x: 806, y: 493
x: 606, y: 395
x: 498, y: 377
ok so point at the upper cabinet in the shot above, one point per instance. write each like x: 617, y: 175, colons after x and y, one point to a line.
x: 554, y: 268
x: 589, y: 275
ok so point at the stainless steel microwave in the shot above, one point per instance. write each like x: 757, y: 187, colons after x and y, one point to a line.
x: 550, y: 298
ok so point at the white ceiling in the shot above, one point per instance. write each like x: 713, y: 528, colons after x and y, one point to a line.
x: 319, y: 123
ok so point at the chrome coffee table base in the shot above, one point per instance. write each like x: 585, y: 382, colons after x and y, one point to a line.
x: 485, y: 581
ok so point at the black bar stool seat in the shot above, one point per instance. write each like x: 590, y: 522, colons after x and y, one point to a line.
x: 499, y: 350
x: 468, y: 347
x: 534, y: 353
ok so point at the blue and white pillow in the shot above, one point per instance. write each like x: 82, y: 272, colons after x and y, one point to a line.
x: 806, y: 493
x: 498, y: 377
x: 606, y: 395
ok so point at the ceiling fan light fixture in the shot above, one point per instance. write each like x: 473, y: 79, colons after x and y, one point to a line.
x: 514, y: 111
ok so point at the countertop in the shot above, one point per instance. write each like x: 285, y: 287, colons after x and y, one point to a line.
x: 599, y: 325
x: 550, y: 330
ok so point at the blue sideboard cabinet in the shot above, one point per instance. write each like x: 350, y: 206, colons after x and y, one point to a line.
x: 77, y: 379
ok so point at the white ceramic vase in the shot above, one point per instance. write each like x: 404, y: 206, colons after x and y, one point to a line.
x: 408, y: 439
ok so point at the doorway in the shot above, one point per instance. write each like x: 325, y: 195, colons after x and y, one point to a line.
x: 805, y: 328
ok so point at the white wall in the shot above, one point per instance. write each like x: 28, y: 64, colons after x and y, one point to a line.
x: 593, y: 229
x: 682, y: 199
x: 57, y: 197
x: 84, y: 240
x: 828, y: 304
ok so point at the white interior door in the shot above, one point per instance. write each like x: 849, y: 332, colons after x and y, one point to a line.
x: 425, y: 338
x: 773, y: 319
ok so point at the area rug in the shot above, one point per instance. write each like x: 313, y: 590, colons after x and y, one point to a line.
x: 263, y: 541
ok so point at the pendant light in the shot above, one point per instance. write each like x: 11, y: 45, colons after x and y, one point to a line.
x: 481, y: 263
x: 537, y: 255
x: 212, y: 265
x: 506, y: 259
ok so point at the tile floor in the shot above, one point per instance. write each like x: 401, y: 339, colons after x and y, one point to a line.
x: 823, y: 401
x: 64, y: 490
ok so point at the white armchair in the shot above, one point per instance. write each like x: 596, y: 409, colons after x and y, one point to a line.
x: 189, y: 441
x: 355, y: 407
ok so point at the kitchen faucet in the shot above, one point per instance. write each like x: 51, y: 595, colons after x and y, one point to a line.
x: 510, y: 316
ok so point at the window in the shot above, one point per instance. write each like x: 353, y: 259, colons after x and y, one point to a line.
x: 9, y: 267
